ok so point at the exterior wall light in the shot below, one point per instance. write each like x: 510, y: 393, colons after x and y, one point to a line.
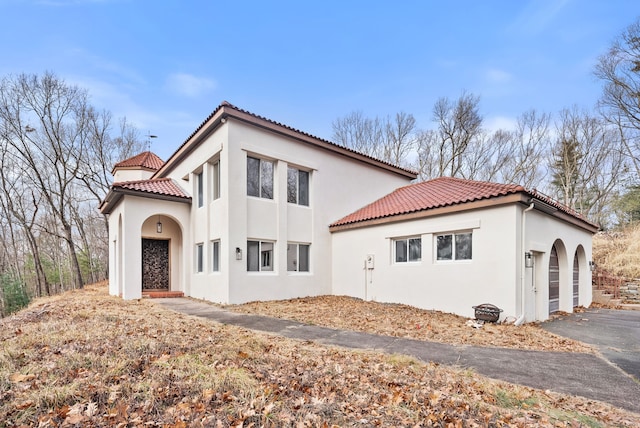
x: 159, y: 227
x: 238, y: 253
x: 528, y: 260
x: 592, y: 266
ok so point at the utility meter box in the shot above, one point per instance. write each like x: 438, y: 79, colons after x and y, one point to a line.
x: 370, y: 261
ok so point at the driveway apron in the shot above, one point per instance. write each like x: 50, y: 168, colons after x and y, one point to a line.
x: 578, y: 374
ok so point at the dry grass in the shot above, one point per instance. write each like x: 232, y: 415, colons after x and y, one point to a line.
x: 407, y: 321
x: 618, y: 252
x: 88, y: 359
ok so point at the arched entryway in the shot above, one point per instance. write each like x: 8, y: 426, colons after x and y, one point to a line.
x: 161, y: 241
x: 554, y: 281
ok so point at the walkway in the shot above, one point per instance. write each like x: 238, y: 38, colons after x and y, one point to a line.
x: 577, y: 374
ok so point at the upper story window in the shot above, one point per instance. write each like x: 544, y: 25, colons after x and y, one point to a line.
x: 297, y: 186
x: 259, y: 178
x: 408, y: 250
x: 200, y: 189
x: 215, y: 180
x: 454, y: 246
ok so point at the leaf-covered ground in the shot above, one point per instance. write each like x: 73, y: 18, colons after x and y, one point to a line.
x: 88, y: 359
x: 407, y: 321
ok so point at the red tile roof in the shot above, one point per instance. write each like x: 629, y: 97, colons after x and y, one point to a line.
x: 157, y: 186
x: 442, y: 192
x: 148, y: 160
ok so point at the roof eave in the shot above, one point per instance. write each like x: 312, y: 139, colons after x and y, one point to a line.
x: 116, y: 194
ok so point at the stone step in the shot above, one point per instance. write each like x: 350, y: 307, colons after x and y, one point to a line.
x: 161, y: 294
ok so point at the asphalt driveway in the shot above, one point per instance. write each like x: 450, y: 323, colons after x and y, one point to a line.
x: 581, y: 374
x: 616, y: 333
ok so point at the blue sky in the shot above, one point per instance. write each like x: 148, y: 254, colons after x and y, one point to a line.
x: 166, y: 65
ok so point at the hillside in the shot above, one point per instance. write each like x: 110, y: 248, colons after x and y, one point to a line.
x: 84, y: 358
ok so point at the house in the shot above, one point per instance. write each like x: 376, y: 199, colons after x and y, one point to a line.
x: 250, y: 209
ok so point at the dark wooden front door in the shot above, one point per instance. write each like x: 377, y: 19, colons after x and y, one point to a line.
x: 554, y: 281
x: 576, y: 280
x: 155, y: 264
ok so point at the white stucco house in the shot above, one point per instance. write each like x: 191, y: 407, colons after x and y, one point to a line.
x: 250, y: 209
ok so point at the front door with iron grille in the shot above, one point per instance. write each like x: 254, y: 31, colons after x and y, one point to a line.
x: 155, y: 264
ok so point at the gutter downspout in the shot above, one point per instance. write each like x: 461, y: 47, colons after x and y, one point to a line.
x: 520, y: 319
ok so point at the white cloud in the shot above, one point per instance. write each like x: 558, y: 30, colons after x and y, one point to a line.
x: 495, y: 75
x: 189, y: 85
x: 500, y: 122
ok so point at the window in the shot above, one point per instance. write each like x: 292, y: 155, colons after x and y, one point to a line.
x: 199, y: 258
x: 259, y: 256
x: 215, y: 251
x: 216, y: 180
x: 259, y: 178
x: 408, y: 250
x: 297, y: 186
x: 454, y: 246
x: 200, y: 187
x: 298, y: 257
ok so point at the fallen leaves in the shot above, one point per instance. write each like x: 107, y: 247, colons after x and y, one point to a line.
x: 407, y: 321
x: 94, y: 360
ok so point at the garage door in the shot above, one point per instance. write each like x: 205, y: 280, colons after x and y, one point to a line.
x: 554, y: 281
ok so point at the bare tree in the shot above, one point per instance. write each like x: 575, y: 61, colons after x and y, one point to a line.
x: 587, y: 164
x: 619, y: 69
x: 388, y: 139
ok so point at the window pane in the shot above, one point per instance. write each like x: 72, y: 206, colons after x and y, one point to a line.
x: 253, y: 177
x: 292, y: 185
x: 216, y: 256
x: 199, y: 261
x: 415, y: 249
x: 292, y: 257
x: 266, y: 256
x: 216, y: 180
x: 443, y: 242
x: 304, y: 258
x: 200, y: 187
x: 463, y: 246
x: 303, y: 188
x: 401, y: 251
x: 253, y: 256
x: 266, y: 179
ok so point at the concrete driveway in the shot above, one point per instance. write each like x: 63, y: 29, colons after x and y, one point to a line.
x: 616, y: 333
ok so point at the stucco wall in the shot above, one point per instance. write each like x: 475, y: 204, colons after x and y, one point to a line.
x: 496, y: 273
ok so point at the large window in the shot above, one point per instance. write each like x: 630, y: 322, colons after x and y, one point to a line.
x: 454, y: 246
x: 259, y: 178
x: 215, y: 252
x: 297, y: 186
x: 216, y: 180
x: 199, y: 258
x: 298, y: 257
x: 200, y: 188
x: 260, y: 256
x: 408, y: 250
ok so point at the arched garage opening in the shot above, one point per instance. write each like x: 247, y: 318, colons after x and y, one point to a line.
x: 557, y: 283
x: 579, y: 273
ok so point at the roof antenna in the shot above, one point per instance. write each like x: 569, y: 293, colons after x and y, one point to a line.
x: 149, y: 137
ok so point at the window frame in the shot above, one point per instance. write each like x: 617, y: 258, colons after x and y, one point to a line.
x: 262, y: 255
x: 259, y: 185
x: 297, y: 261
x: 215, y: 256
x: 407, y: 250
x: 215, y: 180
x: 298, y: 191
x: 199, y: 258
x: 453, y: 247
